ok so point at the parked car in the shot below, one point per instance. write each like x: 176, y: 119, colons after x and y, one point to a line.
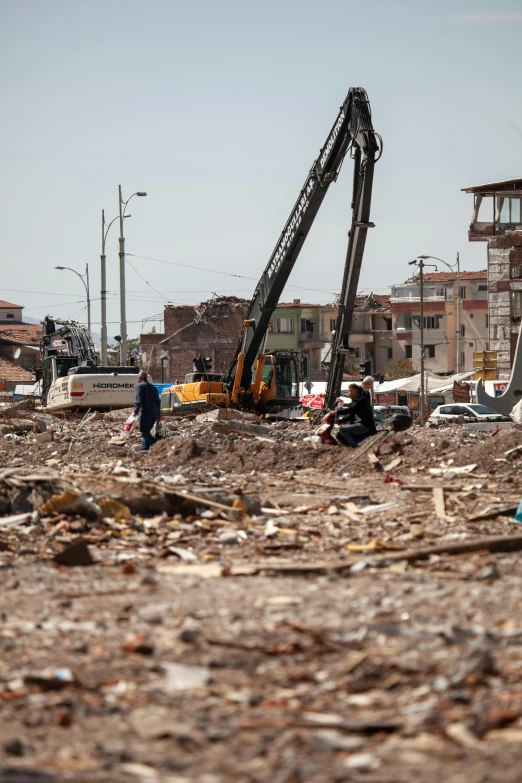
x: 470, y: 412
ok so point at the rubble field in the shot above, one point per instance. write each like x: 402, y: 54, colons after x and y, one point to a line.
x: 243, y: 604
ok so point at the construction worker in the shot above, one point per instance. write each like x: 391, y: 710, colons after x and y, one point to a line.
x: 147, y: 407
x: 359, y: 416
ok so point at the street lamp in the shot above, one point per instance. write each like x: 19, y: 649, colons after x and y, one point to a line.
x: 459, y: 326
x: 421, y: 266
x: 103, y: 293
x: 86, y: 284
x: 121, y: 254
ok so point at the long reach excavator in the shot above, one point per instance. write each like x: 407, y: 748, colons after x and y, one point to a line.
x: 269, y: 381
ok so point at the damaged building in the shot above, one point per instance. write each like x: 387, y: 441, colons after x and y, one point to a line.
x: 210, y: 329
x: 497, y: 220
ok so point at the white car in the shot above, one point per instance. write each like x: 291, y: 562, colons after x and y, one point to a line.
x: 470, y: 411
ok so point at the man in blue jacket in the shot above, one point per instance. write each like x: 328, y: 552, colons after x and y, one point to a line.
x: 147, y: 407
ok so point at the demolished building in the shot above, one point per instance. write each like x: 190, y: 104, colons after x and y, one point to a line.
x: 497, y: 220
x: 210, y: 329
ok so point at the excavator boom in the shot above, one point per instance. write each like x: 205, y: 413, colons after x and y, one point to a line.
x: 352, y: 128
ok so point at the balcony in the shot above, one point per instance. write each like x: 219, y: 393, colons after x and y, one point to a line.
x: 402, y: 294
x: 314, y: 337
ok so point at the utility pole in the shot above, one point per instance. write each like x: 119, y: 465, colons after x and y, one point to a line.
x: 123, y: 304
x: 459, y: 322
x: 88, y: 298
x: 121, y: 254
x: 420, y: 263
x: 103, y: 297
x: 422, y: 400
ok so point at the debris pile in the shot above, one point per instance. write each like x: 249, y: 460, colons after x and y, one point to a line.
x: 229, y: 606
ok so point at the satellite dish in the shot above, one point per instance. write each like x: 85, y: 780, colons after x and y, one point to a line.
x: 17, y: 353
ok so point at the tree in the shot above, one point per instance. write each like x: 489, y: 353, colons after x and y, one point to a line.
x: 133, y: 351
x: 398, y: 368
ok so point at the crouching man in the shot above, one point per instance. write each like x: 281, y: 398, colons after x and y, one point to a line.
x: 358, y: 417
x: 147, y: 408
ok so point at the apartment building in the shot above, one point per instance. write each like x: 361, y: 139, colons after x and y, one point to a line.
x: 306, y: 329
x: 19, y: 341
x: 497, y: 220
x: 441, y: 325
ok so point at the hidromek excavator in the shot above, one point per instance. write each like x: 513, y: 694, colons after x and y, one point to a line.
x: 269, y: 382
x: 71, y: 377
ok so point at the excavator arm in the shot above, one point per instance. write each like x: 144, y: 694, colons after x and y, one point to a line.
x: 362, y: 193
x: 352, y: 129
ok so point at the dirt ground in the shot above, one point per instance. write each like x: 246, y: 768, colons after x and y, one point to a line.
x: 254, y: 613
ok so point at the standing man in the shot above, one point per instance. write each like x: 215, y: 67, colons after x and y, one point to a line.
x: 367, y: 385
x: 147, y: 407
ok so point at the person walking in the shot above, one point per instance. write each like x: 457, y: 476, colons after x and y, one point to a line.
x: 147, y: 408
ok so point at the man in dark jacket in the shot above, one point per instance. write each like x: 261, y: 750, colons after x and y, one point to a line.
x: 147, y: 407
x: 360, y: 417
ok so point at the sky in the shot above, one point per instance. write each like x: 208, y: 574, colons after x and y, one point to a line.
x: 217, y: 109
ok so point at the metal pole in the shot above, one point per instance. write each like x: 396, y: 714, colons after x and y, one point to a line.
x: 88, y: 298
x: 123, y: 315
x: 459, y: 323
x: 422, y: 400
x: 103, y: 298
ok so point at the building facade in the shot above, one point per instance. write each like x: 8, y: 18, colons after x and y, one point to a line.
x: 441, y: 325
x: 497, y: 220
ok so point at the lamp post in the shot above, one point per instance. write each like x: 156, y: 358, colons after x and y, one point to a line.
x: 421, y: 266
x: 121, y: 254
x: 459, y: 323
x: 86, y: 285
x: 103, y: 292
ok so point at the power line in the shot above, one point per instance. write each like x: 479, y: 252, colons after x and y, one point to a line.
x: 217, y: 272
x: 146, y: 281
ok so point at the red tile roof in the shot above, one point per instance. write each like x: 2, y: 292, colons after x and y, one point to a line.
x: 446, y: 277
x: 382, y: 299
x: 5, y: 304
x: 13, y: 373
x: 25, y: 334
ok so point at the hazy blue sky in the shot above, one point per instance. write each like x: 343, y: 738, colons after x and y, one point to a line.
x: 217, y: 108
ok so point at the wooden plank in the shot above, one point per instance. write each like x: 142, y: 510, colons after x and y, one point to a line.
x: 440, y: 505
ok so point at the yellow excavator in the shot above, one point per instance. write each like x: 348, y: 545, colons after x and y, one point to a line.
x: 268, y: 382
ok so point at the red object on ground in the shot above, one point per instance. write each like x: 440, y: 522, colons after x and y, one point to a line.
x: 312, y: 401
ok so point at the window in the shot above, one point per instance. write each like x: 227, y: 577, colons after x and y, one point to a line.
x: 390, y: 353
x: 515, y: 271
x: 388, y: 324
x: 486, y: 318
x: 28, y: 361
x: 482, y: 288
x: 409, y: 351
x: 517, y: 304
x: 510, y: 210
x: 429, y: 351
x: 285, y: 325
x: 462, y: 330
x: 430, y: 322
x: 462, y: 360
x: 404, y: 321
x: 9, y: 315
x: 462, y: 291
x: 333, y: 324
x: 306, y: 325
